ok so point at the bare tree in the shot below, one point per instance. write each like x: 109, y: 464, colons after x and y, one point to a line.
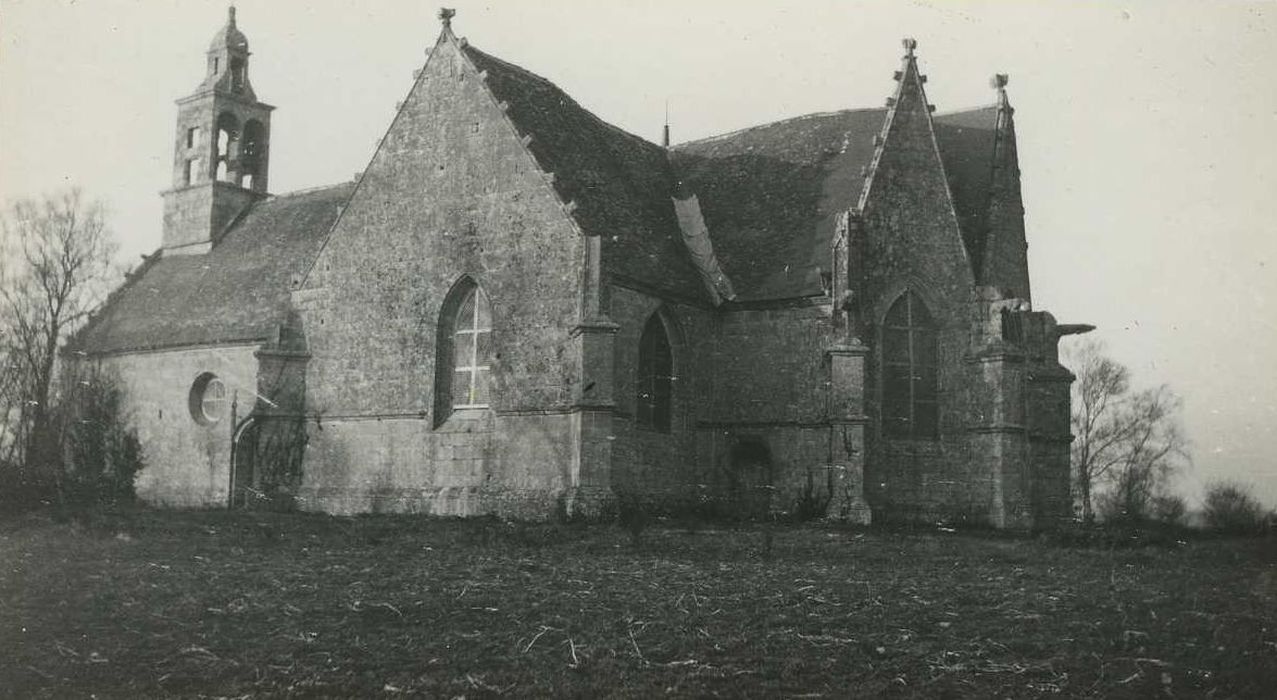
x: 55, y: 260
x: 1149, y: 455
x: 1101, y: 383
x: 1131, y: 442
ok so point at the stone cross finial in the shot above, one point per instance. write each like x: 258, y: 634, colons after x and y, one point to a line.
x: 999, y: 81
x: 445, y: 15
x: 910, y: 44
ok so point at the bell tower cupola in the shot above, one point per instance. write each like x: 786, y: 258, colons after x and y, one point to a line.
x: 221, y: 148
x: 228, y: 60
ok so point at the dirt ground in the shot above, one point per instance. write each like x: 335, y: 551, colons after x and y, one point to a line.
x: 215, y: 604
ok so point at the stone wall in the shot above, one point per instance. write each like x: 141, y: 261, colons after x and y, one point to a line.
x: 751, y: 386
x: 187, y: 462
x: 1049, y: 422
x: 645, y: 462
x: 772, y: 386
x: 195, y: 215
x: 476, y: 463
x: 910, y: 241
x: 768, y: 364
x: 196, y: 212
x: 451, y: 190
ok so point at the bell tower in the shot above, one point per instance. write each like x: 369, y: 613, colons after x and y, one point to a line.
x: 221, y: 149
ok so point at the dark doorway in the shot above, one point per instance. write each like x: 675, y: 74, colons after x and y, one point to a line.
x: 246, y: 490
x: 749, y: 475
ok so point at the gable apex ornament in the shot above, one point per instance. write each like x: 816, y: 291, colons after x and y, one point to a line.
x: 910, y: 44
x: 999, y: 81
x: 445, y: 16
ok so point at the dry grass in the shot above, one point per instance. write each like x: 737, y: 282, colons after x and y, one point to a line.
x: 249, y: 605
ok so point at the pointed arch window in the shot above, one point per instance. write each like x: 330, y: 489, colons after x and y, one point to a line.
x: 463, y: 374
x: 471, y: 345
x: 655, y: 376
x: 910, y: 386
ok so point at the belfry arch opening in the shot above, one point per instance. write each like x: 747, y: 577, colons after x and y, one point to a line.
x: 227, y: 146
x: 251, y: 153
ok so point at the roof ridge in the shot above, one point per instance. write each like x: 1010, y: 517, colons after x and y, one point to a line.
x: 778, y: 122
x: 554, y: 86
x: 308, y: 190
x: 964, y: 110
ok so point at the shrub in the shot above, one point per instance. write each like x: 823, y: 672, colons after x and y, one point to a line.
x: 101, y: 455
x: 1171, y: 510
x: 1114, y: 509
x: 1230, y: 508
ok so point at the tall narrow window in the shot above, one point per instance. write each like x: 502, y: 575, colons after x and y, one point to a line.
x: 910, y: 382
x: 655, y: 375
x: 463, y: 351
x: 471, y: 344
x: 193, y: 168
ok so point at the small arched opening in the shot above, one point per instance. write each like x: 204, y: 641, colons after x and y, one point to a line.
x: 252, y: 153
x: 227, y: 146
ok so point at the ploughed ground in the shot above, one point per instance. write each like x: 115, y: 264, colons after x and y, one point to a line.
x: 146, y: 604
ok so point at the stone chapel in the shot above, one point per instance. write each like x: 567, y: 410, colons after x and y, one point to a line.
x: 519, y: 309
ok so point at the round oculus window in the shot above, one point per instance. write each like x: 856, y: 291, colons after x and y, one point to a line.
x: 208, y: 399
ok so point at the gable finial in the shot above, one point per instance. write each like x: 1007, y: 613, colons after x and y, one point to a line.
x: 999, y: 82
x: 665, y: 132
x: 910, y: 44
x: 230, y: 16
x: 445, y: 16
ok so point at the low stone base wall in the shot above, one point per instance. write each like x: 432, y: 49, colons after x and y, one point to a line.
x: 458, y: 501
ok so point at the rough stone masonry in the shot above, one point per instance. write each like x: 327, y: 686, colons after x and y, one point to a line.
x: 502, y: 314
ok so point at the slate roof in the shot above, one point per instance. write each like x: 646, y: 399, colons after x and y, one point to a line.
x: 620, y: 183
x: 966, y: 141
x: 771, y: 194
x: 238, y: 291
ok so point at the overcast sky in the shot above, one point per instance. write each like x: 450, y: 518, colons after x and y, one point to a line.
x: 1147, y: 133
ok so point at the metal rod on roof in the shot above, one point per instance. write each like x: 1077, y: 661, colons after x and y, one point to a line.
x: 665, y: 133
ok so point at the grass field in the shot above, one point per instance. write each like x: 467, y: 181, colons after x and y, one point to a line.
x: 246, y: 605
